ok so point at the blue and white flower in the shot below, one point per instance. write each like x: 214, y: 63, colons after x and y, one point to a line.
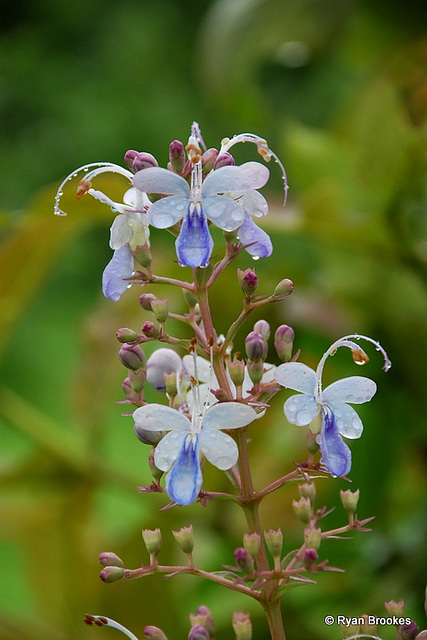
x: 331, y: 405
x: 179, y: 452
x: 200, y: 202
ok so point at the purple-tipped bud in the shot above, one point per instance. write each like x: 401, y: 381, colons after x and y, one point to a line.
x: 244, y: 560
x: 263, y: 328
x: 252, y: 543
x: 256, y: 347
x: 130, y: 157
x: 310, y: 558
x: 150, y: 329
x: 137, y: 379
x: 407, y: 631
x: 208, y: 160
x: 128, y: 390
x: 236, y: 369
x: 248, y: 281
x: 203, y: 617
x: 198, y: 633
x: 152, y: 540
x: 154, y: 633
x: 284, y: 342
x: 132, y: 357
x: 110, y: 559
x: 283, y: 289
x: 224, y: 160
x: 112, y: 574
x: 144, y: 161
x: 145, y: 300
x: 176, y: 156
x: 274, y: 542
x: 160, y: 308
x: 126, y: 335
x: 303, y: 509
x: 242, y: 626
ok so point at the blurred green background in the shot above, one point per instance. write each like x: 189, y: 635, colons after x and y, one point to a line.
x: 339, y: 89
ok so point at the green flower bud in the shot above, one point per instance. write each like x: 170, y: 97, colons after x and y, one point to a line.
x: 274, y: 542
x: 368, y: 629
x: 170, y: 383
x: 137, y: 379
x: 110, y: 559
x: 283, y: 289
x: 190, y: 298
x: 112, y: 574
x: 126, y: 335
x: 352, y: 631
x: 313, y: 538
x: 152, y: 540
x: 155, y: 472
x: 308, y: 490
x: 185, y: 539
x: 242, y: 626
x: 302, y: 509
x: 349, y: 500
x: 252, y: 543
x: 236, y: 369
x: 395, y: 608
x: 160, y: 308
x: 256, y: 370
x: 284, y: 342
x: 142, y: 254
x: 202, y: 275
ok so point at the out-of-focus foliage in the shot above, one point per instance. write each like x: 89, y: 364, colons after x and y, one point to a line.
x: 339, y: 90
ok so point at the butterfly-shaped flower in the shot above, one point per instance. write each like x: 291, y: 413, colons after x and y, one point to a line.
x: 331, y: 405
x: 200, y: 202
x: 180, y: 450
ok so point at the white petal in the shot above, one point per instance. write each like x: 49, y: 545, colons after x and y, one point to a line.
x: 203, y: 371
x: 120, y: 231
x: 168, y: 448
x: 254, y: 202
x: 296, y: 376
x: 228, y: 415
x: 158, y: 417
x: 250, y: 175
x: 355, y: 389
x: 348, y: 422
x: 167, y: 211
x: 161, y: 361
x: 158, y: 180
x: 225, y: 213
x: 301, y: 410
x: 219, y: 448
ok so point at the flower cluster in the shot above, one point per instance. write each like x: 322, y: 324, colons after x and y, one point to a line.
x: 200, y: 186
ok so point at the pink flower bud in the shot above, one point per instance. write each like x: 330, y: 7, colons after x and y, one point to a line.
x: 284, y: 342
x: 176, y: 156
x: 224, y: 160
x: 132, y: 357
x: 256, y: 346
x: 130, y: 157
x: 144, y: 161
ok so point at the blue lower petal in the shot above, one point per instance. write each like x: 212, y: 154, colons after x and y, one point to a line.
x: 119, y: 267
x: 336, y: 456
x: 184, y: 480
x: 250, y: 234
x: 194, y: 244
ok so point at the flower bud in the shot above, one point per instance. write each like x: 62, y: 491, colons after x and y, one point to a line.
x: 274, y: 542
x: 142, y: 254
x: 308, y: 490
x: 126, y: 335
x: 198, y: 633
x: 144, y: 160
x: 283, y: 289
x: 202, y: 275
x: 132, y: 357
x: 129, y: 391
x: 350, y: 631
x: 130, y: 157
x: 203, y: 617
x: 394, y: 608
x: 313, y: 538
x: 368, y: 629
x: 407, y: 631
x: 262, y: 327
x: 147, y: 436
x: 190, y: 298
x: 248, y: 280
x: 255, y: 370
x: 244, y: 560
x: 284, y: 342
x: 310, y: 558
x: 176, y: 156
x: 160, y: 308
x: 170, y: 384
x: 185, y: 539
x: 137, y: 379
x: 256, y: 347
x: 302, y: 509
x: 150, y: 329
x: 152, y: 540
x: 236, y: 369
x: 112, y: 574
x: 349, y: 500
x: 110, y: 559
x: 162, y: 361
x: 224, y: 160
x: 208, y: 160
x: 145, y: 300
x: 252, y: 543
x: 242, y: 626
x: 155, y: 472
x: 154, y: 633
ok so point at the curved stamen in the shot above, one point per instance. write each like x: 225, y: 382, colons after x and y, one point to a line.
x: 103, y: 621
x: 102, y: 167
x: 347, y: 341
x: 262, y: 148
